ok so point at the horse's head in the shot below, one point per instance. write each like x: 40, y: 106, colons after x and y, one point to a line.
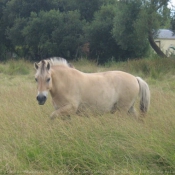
x: 43, y: 79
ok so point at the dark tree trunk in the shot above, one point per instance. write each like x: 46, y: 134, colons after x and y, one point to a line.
x: 154, y: 45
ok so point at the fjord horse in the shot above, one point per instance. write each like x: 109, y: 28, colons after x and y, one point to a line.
x: 72, y: 90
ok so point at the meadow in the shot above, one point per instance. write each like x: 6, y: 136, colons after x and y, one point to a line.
x: 109, y: 144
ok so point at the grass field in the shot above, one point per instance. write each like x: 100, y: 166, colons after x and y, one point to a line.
x: 30, y: 143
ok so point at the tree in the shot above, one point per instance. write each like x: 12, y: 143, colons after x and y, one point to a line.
x: 39, y: 29
x: 88, y: 8
x: 173, y: 20
x: 155, y: 15
x: 151, y: 16
x: 4, y: 41
x: 124, y: 31
x: 15, y: 14
x: 53, y: 33
x: 98, y: 33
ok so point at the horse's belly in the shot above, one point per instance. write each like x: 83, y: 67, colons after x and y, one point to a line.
x: 97, y: 108
x: 99, y: 102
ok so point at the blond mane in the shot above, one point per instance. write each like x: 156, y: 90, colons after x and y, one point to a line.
x: 58, y: 61
x: 52, y: 61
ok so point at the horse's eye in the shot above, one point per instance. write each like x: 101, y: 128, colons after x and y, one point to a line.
x: 48, y: 80
x: 36, y: 79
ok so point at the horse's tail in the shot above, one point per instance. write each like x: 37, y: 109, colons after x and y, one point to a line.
x: 144, y: 95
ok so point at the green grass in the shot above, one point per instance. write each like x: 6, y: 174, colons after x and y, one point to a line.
x: 30, y: 143
x: 13, y: 67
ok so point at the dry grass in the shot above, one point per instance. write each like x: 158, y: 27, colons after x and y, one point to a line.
x: 105, y: 144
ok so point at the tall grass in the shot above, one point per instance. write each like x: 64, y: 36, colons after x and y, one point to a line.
x: 14, y: 67
x: 30, y: 143
x: 155, y: 68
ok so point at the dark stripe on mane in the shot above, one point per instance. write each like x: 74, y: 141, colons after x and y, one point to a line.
x: 42, y: 66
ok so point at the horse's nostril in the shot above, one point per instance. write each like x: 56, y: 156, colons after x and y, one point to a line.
x: 41, y: 98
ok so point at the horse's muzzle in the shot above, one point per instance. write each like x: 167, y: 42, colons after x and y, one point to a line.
x: 41, y: 99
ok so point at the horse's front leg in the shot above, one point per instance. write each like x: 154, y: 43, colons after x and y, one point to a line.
x: 63, y: 111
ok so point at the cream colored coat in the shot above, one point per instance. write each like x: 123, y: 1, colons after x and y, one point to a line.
x: 73, y: 91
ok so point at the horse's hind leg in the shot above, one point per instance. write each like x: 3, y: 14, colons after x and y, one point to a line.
x: 133, y: 112
x: 114, y: 108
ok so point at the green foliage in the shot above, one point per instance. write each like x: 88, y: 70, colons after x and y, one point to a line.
x: 4, y: 42
x: 15, y: 9
x: 69, y: 35
x: 115, y: 30
x: 137, y: 22
x: 15, y: 33
x: 98, y: 33
x: 157, y: 19
x: 124, y: 31
x: 16, y: 67
x: 87, y: 8
x: 61, y: 34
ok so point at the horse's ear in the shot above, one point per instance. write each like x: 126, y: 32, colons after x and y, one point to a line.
x: 36, y: 66
x: 48, y: 66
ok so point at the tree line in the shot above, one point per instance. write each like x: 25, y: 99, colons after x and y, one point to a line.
x: 99, y: 29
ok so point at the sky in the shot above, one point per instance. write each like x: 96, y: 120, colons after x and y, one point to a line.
x: 171, y: 4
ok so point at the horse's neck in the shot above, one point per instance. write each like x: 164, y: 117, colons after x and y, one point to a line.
x: 58, y: 80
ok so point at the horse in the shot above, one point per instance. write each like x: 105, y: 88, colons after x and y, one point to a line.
x: 73, y: 91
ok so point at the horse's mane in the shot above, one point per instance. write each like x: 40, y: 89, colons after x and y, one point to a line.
x: 58, y: 61
x: 55, y: 61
